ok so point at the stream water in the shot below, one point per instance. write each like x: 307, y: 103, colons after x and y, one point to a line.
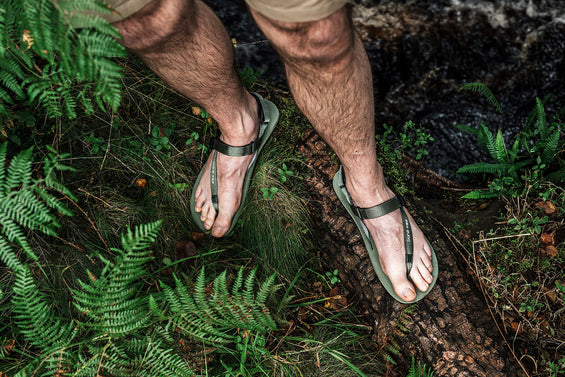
x: 421, y: 52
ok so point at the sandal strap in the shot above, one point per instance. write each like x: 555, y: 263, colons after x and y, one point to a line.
x: 379, y: 210
x: 229, y: 150
x: 385, y: 208
x: 217, y: 145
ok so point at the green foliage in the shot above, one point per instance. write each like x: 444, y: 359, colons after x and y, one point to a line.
x: 483, y: 90
x: 532, y: 156
x: 419, y: 370
x: 249, y: 76
x: 411, y: 140
x: 216, y: 318
x: 47, y: 61
x: 25, y: 202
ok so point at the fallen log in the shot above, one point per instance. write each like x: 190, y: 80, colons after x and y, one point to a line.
x: 450, y: 330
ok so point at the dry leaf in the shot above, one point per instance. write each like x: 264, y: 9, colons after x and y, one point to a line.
x: 483, y: 205
x: 546, y: 206
x: 196, y: 110
x: 552, y: 296
x: 317, y: 286
x: 197, y: 236
x: 27, y: 38
x: 548, y: 238
x: 141, y: 182
x: 185, y: 249
x: 550, y: 251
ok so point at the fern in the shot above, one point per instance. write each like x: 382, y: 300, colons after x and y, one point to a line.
x: 35, y: 320
x: 25, y: 203
x: 214, y: 318
x: 46, y: 60
x: 483, y: 90
x: 112, y: 301
x: 419, y: 370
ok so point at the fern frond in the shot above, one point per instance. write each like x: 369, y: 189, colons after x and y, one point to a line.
x: 501, y: 155
x: 541, y: 121
x: 483, y: 90
x: 475, y: 195
x: 7, y: 255
x: 112, y: 301
x: 483, y: 167
x: 35, y: 320
x: 551, y: 145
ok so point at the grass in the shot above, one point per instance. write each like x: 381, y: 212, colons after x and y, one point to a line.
x: 138, y: 165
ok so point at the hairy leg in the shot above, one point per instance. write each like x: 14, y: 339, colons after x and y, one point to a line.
x: 184, y: 43
x: 330, y: 78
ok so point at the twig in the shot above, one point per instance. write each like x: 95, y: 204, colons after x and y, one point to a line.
x: 90, y: 221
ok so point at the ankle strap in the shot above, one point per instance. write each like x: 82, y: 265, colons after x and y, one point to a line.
x: 229, y: 150
x: 380, y: 209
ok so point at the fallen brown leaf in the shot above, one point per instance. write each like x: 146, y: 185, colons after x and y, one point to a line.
x: 550, y: 251
x: 185, y: 249
x: 196, y: 110
x: 546, y: 206
x: 548, y: 238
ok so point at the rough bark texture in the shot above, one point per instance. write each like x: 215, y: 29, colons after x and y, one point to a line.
x: 451, y: 330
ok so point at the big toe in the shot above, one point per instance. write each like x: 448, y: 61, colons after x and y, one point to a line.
x: 404, y: 289
x: 221, y: 225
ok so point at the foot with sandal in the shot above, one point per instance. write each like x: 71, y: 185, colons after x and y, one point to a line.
x: 329, y: 75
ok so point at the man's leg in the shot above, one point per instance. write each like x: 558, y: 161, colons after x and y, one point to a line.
x: 184, y: 43
x: 330, y: 78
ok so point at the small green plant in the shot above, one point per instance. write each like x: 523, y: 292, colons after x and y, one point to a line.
x: 419, y: 370
x: 284, y: 173
x: 556, y: 369
x: 194, y: 136
x: 97, y: 144
x: 333, y: 276
x: 160, y: 137
x: 521, y: 165
x: 269, y: 193
x: 530, y: 223
x: 249, y: 76
x: 411, y: 140
x: 530, y: 305
x: 179, y: 186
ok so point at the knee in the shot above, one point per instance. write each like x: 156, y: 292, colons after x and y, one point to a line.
x: 326, y: 41
x: 157, y: 22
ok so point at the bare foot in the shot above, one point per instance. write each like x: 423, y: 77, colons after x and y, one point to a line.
x: 388, y: 235
x: 231, y: 174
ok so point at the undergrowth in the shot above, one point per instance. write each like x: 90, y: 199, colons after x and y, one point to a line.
x: 520, y: 262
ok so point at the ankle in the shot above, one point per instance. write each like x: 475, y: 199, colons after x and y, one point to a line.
x: 242, y: 126
x: 368, y: 189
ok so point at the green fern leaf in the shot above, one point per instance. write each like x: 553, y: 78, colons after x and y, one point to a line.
x: 483, y: 167
x: 541, y: 121
x: 501, y: 156
x: 550, y: 147
x: 35, y: 320
x: 483, y: 90
x: 476, y: 195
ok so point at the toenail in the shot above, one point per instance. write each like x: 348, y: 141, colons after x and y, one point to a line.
x: 408, y: 293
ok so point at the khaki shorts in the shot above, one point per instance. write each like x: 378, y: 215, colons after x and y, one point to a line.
x: 285, y: 10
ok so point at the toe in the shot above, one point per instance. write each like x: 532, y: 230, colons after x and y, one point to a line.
x: 207, y: 216
x: 425, y: 273
x: 221, y: 225
x: 419, y: 280
x: 403, y: 288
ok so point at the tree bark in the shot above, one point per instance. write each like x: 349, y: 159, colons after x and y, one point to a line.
x: 451, y: 330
